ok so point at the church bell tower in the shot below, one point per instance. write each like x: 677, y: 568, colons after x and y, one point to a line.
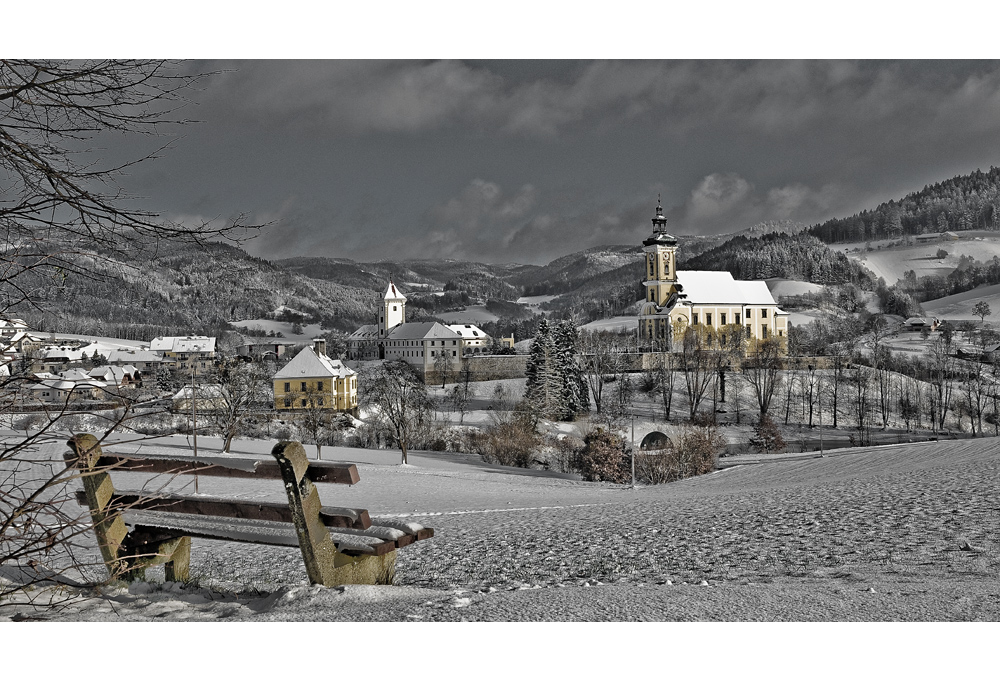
x: 660, y: 251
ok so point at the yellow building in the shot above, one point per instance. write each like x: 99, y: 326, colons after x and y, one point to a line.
x: 314, y: 381
x: 678, y: 299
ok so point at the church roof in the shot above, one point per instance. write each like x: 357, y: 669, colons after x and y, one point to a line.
x: 701, y: 287
x: 421, y: 331
x: 310, y: 364
x: 393, y: 293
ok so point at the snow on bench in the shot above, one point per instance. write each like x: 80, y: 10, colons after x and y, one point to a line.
x: 137, y: 530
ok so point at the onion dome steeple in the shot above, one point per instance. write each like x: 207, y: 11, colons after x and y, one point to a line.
x: 659, y: 235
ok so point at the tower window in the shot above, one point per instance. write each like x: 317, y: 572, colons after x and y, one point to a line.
x: 393, y: 308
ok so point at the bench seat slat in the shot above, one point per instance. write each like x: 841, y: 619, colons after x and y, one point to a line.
x: 250, y: 531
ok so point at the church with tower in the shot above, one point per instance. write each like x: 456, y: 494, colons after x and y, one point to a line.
x: 676, y: 299
x: 421, y: 344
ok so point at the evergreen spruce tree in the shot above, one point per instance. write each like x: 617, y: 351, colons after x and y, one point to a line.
x: 537, y: 368
x: 573, y: 388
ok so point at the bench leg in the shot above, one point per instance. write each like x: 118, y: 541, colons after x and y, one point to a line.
x: 178, y: 568
x: 173, y: 553
x: 364, y: 569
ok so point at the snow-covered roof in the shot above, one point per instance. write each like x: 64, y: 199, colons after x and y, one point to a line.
x: 113, y: 373
x: 701, y: 287
x: 183, y: 344
x: 63, y: 384
x: 75, y: 375
x: 393, y: 293
x: 310, y: 364
x: 468, y: 330
x: 119, y: 356
x: 366, y: 332
x: 421, y: 331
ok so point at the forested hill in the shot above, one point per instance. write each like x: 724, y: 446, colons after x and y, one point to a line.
x: 189, y: 290
x: 964, y: 202
x: 800, y: 257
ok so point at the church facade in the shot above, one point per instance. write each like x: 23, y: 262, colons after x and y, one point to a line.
x: 675, y: 299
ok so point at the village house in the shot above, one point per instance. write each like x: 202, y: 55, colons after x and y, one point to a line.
x: 188, y: 353
x: 312, y: 380
x: 69, y: 386
x: 126, y: 376
x: 145, y: 361
x: 678, y: 299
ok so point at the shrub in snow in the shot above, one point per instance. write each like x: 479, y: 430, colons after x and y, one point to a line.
x: 766, y: 436
x: 604, y: 458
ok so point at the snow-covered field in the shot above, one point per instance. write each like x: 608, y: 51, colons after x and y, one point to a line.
x: 959, y: 306
x: 904, y: 532
x: 473, y: 314
x: 622, y: 323
x: 535, y: 301
x: 309, y: 331
x: 892, y: 263
x: 790, y: 287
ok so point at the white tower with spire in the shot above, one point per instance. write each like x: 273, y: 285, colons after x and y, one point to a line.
x: 393, y: 311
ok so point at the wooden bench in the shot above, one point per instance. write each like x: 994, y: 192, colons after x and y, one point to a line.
x: 137, y: 530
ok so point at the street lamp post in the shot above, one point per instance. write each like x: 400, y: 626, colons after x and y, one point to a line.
x: 819, y: 399
x: 194, y: 423
x: 633, y: 450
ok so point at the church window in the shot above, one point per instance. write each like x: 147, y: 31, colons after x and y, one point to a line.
x: 736, y: 318
x: 722, y: 318
x: 708, y: 318
x: 694, y: 318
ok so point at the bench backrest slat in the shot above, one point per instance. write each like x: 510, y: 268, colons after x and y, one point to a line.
x: 331, y: 516
x: 318, y: 471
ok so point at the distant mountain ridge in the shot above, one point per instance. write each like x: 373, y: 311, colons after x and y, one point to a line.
x: 202, y: 290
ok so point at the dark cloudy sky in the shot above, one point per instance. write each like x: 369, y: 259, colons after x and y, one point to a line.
x: 524, y: 161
